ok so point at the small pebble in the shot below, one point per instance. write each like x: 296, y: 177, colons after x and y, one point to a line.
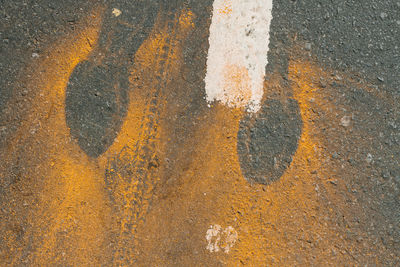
x: 338, y: 78
x: 35, y: 55
x: 369, y: 158
x: 308, y: 46
x: 116, y: 12
x: 345, y: 121
x: 385, y: 175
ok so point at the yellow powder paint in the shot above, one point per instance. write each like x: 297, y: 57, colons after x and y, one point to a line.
x: 138, y: 148
x: 73, y: 204
x: 143, y: 80
x: 237, y: 83
x: 67, y: 225
x: 186, y: 20
x: 274, y: 218
x: 265, y: 210
x: 74, y: 211
x: 270, y: 221
x: 226, y: 8
x: 73, y: 214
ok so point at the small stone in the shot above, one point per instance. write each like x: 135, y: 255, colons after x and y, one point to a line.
x: 334, y: 182
x: 308, y: 46
x: 338, y: 78
x: 385, y: 175
x: 383, y: 15
x: 369, y: 158
x: 381, y: 79
x: 35, y: 55
x: 335, y: 155
x: 116, y: 12
x: 345, y: 121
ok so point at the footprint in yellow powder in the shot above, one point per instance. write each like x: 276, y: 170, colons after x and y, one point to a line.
x: 97, y: 92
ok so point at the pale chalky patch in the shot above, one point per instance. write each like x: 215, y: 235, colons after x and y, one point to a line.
x: 220, y: 239
x: 237, y: 55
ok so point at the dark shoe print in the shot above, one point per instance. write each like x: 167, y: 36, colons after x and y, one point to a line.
x: 268, y: 140
x: 97, y: 92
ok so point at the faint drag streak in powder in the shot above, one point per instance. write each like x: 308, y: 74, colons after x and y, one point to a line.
x: 237, y: 56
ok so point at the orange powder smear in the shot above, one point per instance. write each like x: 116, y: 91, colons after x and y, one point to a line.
x: 212, y: 191
x: 226, y: 9
x: 67, y: 225
x: 272, y: 218
x: 237, y: 86
x: 155, y: 53
x: 73, y: 214
x: 139, y: 139
x: 73, y: 199
x: 186, y: 20
x: 269, y: 215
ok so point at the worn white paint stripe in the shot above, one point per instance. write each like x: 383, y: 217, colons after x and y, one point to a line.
x: 237, y: 55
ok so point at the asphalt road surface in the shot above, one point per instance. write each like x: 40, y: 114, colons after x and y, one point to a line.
x: 112, y: 155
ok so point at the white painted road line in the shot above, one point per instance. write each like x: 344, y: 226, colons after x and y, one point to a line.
x: 237, y: 56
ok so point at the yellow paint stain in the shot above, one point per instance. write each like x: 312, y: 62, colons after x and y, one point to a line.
x: 72, y: 202
x: 138, y: 149
x: 226, y: 8
x: 82, y: 221
x: 74, y: 222
x: 149, y: 65
x: 186, y: 20
x: 67, y: 225
x: 266, y: 212
x: 196, y: 199
x: 155, y: 53
x: 272, y: 222
x: 237, y: 85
